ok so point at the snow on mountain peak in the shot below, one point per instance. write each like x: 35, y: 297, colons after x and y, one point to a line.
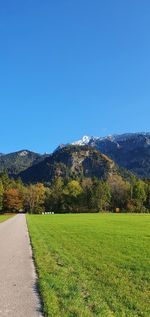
x: 85, y: 140
x: 89, y: 139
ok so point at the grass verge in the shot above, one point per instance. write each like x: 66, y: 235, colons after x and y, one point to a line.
x: 5, y: 217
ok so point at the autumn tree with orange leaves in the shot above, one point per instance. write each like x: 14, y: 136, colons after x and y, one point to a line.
x: 12, y: 200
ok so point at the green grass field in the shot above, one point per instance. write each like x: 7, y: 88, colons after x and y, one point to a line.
x: 4, y: 217
x: 93, y: 264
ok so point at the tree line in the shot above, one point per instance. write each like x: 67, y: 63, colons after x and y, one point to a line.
x: 75, y: 195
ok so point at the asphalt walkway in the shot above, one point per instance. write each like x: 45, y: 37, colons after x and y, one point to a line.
x: 18, y: 291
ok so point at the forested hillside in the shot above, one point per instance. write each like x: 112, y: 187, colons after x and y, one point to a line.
x: 16, y: 162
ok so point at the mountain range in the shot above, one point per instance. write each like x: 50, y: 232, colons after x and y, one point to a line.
x: 90, y: 156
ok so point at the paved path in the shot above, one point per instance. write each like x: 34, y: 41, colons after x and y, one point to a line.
x: 18, y: 295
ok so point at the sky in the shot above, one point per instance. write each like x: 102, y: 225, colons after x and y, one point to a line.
x: 70, y: 68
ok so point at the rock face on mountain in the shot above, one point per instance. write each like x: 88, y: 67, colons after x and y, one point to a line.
x: 130, y: 151
x: 70, y: 162
x: 16, y: 162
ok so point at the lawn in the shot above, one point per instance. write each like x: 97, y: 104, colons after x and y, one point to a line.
x: 4, y: 217
x: 92, y: 264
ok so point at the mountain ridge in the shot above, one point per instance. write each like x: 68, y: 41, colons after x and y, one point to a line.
x: 129, y: 151
x: 18, y: 161
x: 71, y: 161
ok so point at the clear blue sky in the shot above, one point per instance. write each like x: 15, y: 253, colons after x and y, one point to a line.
x: 72, y: 67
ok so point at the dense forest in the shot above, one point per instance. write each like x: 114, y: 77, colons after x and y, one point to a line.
x: 75, y: 195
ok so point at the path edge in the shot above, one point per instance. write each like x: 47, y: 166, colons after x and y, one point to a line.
x: 35, y: 272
